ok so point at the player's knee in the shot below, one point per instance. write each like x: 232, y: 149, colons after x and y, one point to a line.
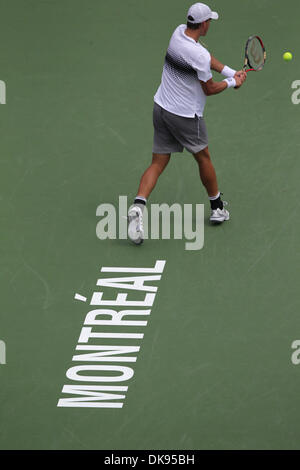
x: 159, y: 163
x: 204, y: 153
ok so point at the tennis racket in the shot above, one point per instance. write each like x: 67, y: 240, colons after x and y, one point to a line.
x: 255, y: 55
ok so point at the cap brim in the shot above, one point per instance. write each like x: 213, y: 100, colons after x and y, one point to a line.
x: 214, y: 15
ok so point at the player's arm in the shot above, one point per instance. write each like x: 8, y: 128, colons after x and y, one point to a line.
x: 216, y: 64
x: 213, y: 88
x: 226, y: 71
x: 203, y: 63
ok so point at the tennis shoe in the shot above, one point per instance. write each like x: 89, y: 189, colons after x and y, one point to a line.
x: 218, y: 216
x: 135, y: 225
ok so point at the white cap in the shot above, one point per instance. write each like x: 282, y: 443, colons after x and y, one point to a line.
x: 201, y: 12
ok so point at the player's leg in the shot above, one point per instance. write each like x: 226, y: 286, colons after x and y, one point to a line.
x: 164, y: 144
x: 209, y: 181
x: 151, y: 175
x: 147, y: 184
x: 207, y: 172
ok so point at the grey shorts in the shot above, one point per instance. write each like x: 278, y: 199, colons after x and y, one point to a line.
x: 173, y: 133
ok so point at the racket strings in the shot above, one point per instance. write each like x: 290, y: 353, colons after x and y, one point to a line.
x: 256, y: 54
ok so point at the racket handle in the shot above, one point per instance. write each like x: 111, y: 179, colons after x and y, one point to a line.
x: 245, y: 70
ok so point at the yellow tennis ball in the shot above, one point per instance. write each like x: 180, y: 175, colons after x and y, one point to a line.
x: 287, y: 56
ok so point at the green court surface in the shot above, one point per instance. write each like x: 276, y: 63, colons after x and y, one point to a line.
x: 214, y: 370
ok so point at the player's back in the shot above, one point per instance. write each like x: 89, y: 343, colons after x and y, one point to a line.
x: 186, y: 62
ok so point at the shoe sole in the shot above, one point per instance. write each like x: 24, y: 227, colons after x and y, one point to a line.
x: 218, y: 221
x: 137, y: 241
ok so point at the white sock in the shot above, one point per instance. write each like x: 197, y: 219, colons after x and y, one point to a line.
x: 141, y: 198
x: 213, y: 198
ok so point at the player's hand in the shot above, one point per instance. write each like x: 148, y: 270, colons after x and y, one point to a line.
x: 240, y: 73
x: 240, y: 77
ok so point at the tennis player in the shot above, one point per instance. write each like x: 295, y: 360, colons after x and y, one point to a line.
x: 178, y: 113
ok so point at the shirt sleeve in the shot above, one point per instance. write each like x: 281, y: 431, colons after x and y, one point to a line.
x: 201, y: 63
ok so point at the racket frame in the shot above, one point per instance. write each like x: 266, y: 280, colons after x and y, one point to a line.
x: 247, y: 61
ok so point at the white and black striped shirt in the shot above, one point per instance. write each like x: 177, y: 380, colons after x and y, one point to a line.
x: 186, y: 63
